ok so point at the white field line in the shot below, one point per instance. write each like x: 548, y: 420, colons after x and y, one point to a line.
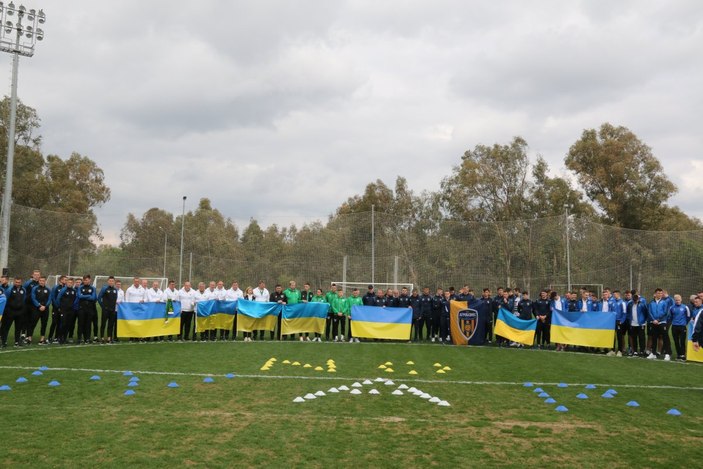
x: 337, y: 378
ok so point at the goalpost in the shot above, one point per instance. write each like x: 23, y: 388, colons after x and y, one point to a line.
x: 363, y: 286
x: 595, y: 287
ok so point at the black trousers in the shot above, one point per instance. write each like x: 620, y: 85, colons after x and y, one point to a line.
x: 37, y: 316
x: 68, y: 324
x: 542, y: 333
x: 418, y: 326
x: 621, y: 330
x: 661, y: 330
x: 436, y: 321
x: 639, y: 343
x: 71, y: 323
x: 444, y: 326
x: 94, y: 320
x: 489, y: 330
x: 8, y: 319
x: 109, y: 319
x: 186, y: 324
x: 679, y: 334
x: 85, y: 318
x: 328, y: 324
x: 55, y: 323
x: 338, y: 325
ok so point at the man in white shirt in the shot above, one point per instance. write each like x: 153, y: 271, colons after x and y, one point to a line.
x: 135, y: 293
x: 154, y: 294
x: 220, y: 294
x: 170, y: 295
x: 234, y: 294
x: 186, y: 296
x: 203, y: 294
x: 120, y: 299
x: 261, y: 294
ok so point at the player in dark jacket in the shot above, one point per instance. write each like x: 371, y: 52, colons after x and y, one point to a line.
x: 14, y: 312
x: 41, y: 303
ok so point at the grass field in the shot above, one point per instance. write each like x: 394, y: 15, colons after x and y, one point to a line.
x: 251, y: 420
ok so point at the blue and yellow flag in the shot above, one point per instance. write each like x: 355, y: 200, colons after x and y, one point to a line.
x: 588, y: 328
x: 304, y: 317
x: 141, y: 320
x: 3, y: 302
x: 257, y: 316
x: 515, y: 329
x: 215, y: 314
x: 375, y: 322
x: 692, y: 355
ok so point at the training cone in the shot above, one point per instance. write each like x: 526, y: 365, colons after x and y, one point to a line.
x: 273, y: 359
x: 367, y: 381
x: 389, y: 370
x: 343, y: 388
x: 319, y: 368
x: 333, y: 390
x: 550, y: 401
x: 410, y: 362
x: 374, y: 392
x: 389, y: 383
x: 127, y: 373
x: 37, y: 373
x: 307, y: 365
x: 21, y: 379
x: 380, y: 380
x: 673, y: 412
x: 413, y: 389
x: 446, y: 368
x: 527, y: 385
x: 444, y: 404
x: 590, y: 386
x: 264, y: 368
x: 607, y: 395
x: 543, y: 395
x: 612, y: 391
x: 425, y: 395
x: 95, y: 378
x: 581, y: 396
x: 412, y: 372
x: 54, y: 383
x: 132, y: 384
x: 397, y: 392
x: 298, y: 399
x: 356, y: 385
x: 286, y: 362
x: 388, y: 363
x: 310, y: 396
x: 441, y: 371
x: 561, y: 408
x: 331, y: 370
x: 208, y: 379
x: 320, y: 394
x: 437, y: 365
x: 354, y: 391
x: 134, y: 379
x: 381, y: 367
x: 172, y: 384
x: 295, y: 363
x: 434, y: 400
x: 562, y: 385
x: 538, y: 390
x: 5, y: 387
x: 129, y: 392
x: 632, y: 404
x: 403, y: 386
x: 229, y: 375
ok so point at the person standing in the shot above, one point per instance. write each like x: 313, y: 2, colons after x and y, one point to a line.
x: 329, y: 298
x: 437, y: 306
x: 368, y: 298
x: 186, y: 296
x: 680, y: 317
x: 26, y: 320
x: 220, y: 294
x: 261, y: 294
x: 414, y: 303
x: 249, y: 296
x: 66, y: 300
x: 107, y: 299
x: 542, y: 310
x: 86, y: 306
x: 637, y: 318
x: 41, y: 302
x: 340, y: 311
x: 659, y: 318
x: 426, y: 311
x: 280, y: 298
x: 135, y: 293
x: 234, y: 293
x: 354, y: 300
x: 14, y: 312
x: 305, y: 297
x: 200, y: 295
x: 169, y: 296
x: 293, y: 297
x: 621, y: 325
x: 56, y: 315
x: 319, y: 297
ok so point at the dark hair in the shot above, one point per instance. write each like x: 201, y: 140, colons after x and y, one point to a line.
x: 553, y: 295
x: 86, y: 276
x: 111, y: 277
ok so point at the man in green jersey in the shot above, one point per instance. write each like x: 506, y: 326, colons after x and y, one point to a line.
x: 357, y: 300
x: 319, y: 297
x: 293, y: 297
x: 305, y: 297
x: 330, y: 296
x: 340, y: 311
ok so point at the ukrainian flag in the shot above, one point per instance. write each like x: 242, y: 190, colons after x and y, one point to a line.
x: 589, y: 328
x: 692, y: 355
x: 141, y: 320
x: 375, y: 322
x: 304, y: 317
x: 215, y: 314
x: 515, y: 329
x: 257, y: 316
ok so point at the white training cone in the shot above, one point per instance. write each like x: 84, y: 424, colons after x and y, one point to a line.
x: 424, y: 395
x: 397, y: 393
x: 402, y: 386
x: 333, y: 390
x: 320, y: 394
x: 389, y: 383
x: 380, y: 380
x: 435, y: 400
x: 310, y: 396
x: 367, y: 381
x: 443, y: 404
x: 343, y: 388
x: 374, y: 391
x: 298, y: 399
x: 413, y: 389
x: 356, y: 385
x: 354, y: 391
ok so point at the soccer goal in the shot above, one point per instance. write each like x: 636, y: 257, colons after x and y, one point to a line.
x: 594, y: 287
x: 100, y: 280
x: 348, y: 287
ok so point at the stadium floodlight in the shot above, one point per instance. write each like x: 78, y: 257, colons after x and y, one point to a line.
x: 16, y: 38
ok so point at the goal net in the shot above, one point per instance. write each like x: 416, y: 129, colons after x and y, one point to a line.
x: 100, y: 280
x: 348, y: 287
x: 596, y: 288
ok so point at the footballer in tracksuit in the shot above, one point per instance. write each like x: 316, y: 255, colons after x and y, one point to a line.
x: 56, y: 310
x: 659, y: 318
x: 680, y: 317
x: 66, y: 300
x: 417, y: 314
x: 26, y: 320
x: 436, y: 314
x: 542, y: 310
x: 426, y: 310
x: 107, y: 298
x: 86, y: 308
x: 41, y: 302
x: 14, y: 312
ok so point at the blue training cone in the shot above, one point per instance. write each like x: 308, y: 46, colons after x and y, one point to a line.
x: 173, y: 384
x: 21, y: 379
x: 527, y: 385
x: 129, y: 392
x: 673, y: 412
x: 612, y: 391
x: 37, y: 373
x: 582, y: 396
x: 127, y: 373
x: 132, y: 384
x: 550, y: 401
x: 208, y: 379
x: 538, y: 390
x: 5, y: 387
x: 561, y: 408
x: 54, y: 383
x: 632, y: 404
x: 543, y: 395
x: 590, y: 386
x: 43, y: 368
x: 607, y: 395
x: 133, y: 379
x: 95, y: 378
x: 229, y: 375
x: 562, y: 385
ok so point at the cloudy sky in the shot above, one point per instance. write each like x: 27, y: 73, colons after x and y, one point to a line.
x: 280, y: 110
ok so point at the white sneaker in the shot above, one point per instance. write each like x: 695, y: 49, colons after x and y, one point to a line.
x: 619, y: 354
x: 651, y: 356
x: 302, y: 339
x: 356, y: 339
x: 432, y: 339
x: 610, y: 353
x: 307, y: 339
x: 336, y: 338
x: 667, y: 358
x: 448, y: 339
x: 342, y: 338
x: 351, y: 340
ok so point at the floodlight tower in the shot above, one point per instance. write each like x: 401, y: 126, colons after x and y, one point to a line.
x: 19, y: 32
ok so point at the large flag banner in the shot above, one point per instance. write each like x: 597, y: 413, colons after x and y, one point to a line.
x: 467, y: 322
x: 3, y: 302
x: 589, y: 328
x: 692, y: 355
x: 375, y: 322
x: 304, y: 317
x: 141, y: 320
x: 215, y: 314
x: 257, y: 316
x: 515, y: 329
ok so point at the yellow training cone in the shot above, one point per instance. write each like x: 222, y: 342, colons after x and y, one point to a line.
x: 331, y: 370
x: 410, y: 362
x: 272, y: 359
x: 389, y: 370
x: 388, y: 364
x: 446, y: 368
x: 318, y: 368
x: 412, y: 372
x: 437, y: 365
x: 307, y: 365
x: 381, y: 367
x: 441, y: 371
x: 264, y: 368
x: 286, y: 362
x: 295, y: 363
